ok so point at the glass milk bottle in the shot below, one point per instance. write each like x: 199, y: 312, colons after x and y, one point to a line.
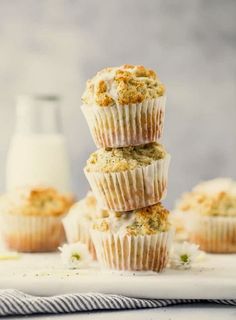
x: 37, y: 154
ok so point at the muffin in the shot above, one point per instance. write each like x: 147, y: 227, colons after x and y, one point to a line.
x: 129, y: 178
x: 211, y: 215
x: 124, y: 106
x: 178, y: 221
x: 138, y: 240
x: 78, y: 221
x: 30, y: 219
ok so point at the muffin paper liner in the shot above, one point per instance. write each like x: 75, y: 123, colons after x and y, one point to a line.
x: 128, y: 125
x: 31, y: 233
x: 132, y: 189
x: 78, y: 231
x: 132, y: 253
x: 213, y: 234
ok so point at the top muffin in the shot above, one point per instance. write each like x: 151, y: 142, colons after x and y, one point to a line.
x: 212, y: 198
x: 122, y: 85
x: 35, y: 201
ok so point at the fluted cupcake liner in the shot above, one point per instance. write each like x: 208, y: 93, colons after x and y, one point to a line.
x: 213, y: 234
x: 129, y: 125
x: 78, y: 231
x: 31, y: 233
x: 132, y: 189
x: 132, y: 253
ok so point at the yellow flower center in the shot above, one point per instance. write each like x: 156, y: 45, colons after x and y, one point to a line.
x: 76, y: 256
x: 184, y: 258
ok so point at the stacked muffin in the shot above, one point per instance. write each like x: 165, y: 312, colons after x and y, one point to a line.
x: 124, y: 108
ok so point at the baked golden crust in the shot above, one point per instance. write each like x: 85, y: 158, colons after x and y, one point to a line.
x: 212, y: 198
x: 149, y: 220
x: 122, y: 159
x: 36, y: 201
x: 145, y: 221
x: 122, y: 85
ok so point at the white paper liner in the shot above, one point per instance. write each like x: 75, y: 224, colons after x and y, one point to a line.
x: 213, y: 234
x: 132, y: 253
x: 78, y: 231
x: 133, y: 189
x: 129, y: 125
x: 31, y: 233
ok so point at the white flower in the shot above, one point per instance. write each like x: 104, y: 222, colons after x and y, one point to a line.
x: 75, y: 255
x: 184, y: 255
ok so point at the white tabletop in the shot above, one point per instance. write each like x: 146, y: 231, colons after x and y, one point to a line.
x: 44, y: 275
x: 194, y: 311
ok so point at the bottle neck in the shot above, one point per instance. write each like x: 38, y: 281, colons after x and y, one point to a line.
x: 38, y: 115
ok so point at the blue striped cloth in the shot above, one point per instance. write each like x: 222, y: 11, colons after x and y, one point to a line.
x: 13, y: 302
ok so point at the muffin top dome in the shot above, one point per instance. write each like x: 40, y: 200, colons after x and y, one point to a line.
x: 35, y: 201
x: 122, y: 85
x: 121, y: 159
x: 146, y: 221
x: 215, y: 197
x: 86, y: 209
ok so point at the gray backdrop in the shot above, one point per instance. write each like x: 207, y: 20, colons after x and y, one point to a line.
x: 55, y: 45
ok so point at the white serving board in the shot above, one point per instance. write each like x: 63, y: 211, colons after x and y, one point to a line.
x: 43, y: 274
